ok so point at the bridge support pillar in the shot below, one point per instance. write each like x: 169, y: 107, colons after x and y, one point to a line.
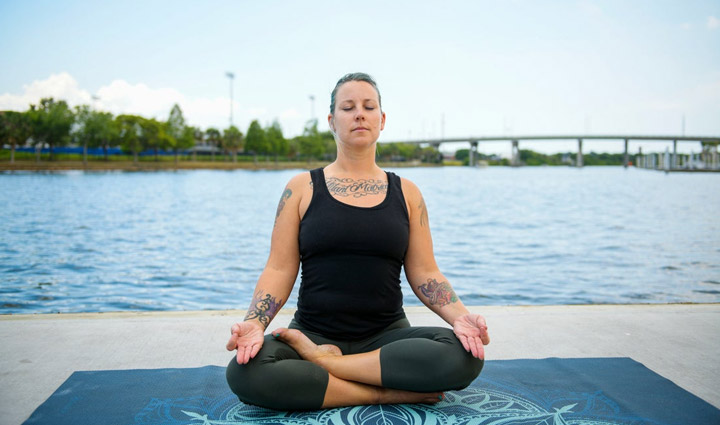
x: 625, y: 157
x: 473, y: 154
x: 674, y: 163
x: 579, y: 162
x: 515, y: 158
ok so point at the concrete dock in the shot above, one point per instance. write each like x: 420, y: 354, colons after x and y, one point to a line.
x: 39, y: 352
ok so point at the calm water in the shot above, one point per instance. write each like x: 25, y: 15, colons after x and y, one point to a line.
x: 78, y: 242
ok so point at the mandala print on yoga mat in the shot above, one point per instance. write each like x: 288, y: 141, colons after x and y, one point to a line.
x: 472, y: 406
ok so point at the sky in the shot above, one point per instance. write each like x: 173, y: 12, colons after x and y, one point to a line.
x: 444, y: 69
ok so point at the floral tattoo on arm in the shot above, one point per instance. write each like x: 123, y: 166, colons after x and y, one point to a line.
x: 438, y: 293
x: 263, y: 308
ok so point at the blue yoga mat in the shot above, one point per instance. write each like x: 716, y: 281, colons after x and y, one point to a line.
x: 553, y: 391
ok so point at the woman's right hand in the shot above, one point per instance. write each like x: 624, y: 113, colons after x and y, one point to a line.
x: 247, y: 337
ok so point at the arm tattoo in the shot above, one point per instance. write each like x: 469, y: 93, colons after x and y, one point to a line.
x: 355, y: 188
x: 263, y: 308
x: 423, y: 213
x: 285, y: 196
x: 439, y: 293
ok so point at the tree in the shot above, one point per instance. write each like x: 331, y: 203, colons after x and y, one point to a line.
x: 311, y: 144
x: 278, y: 144
x: 329, y: 145
x: 232, y: 141
x: 154, y: 135
x: 177, y: 134
x: 15, y: 129
x: 174, y: 130
x: 214, y: 138
x: 51, y: 122
x: 95, y: 129
x: 185, y: 141
x: 255, y: 141
x: 130, y: 132
x: 199, y: 139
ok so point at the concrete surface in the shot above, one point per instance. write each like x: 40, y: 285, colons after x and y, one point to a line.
x: 39, y: 352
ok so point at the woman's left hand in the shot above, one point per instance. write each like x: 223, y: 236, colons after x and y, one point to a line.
x: 472, y: 332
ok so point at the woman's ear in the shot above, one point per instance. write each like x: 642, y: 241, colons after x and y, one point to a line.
x: 331, y: 123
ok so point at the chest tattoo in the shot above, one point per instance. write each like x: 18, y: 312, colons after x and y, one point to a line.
x: 355, y: 188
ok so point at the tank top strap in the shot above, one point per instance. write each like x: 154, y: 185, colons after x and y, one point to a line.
x: 316, y: 176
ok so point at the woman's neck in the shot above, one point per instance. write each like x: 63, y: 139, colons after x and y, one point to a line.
x: 355, y: 163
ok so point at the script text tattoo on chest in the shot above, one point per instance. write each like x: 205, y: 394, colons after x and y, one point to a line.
x: 356, y: 188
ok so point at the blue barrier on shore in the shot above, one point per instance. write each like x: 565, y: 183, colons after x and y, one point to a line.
x: 98, y: 151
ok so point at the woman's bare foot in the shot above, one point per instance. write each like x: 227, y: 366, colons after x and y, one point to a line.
x: 307, y: 349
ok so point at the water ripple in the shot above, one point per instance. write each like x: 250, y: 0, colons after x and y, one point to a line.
x: 199, y: 240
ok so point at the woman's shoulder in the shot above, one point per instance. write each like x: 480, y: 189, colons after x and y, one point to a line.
x: 300, y: 185
x: 409, y: 188
x: 300, y: 180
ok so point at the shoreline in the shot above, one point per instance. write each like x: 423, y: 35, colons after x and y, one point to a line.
x: 31, y: 166
x: 410, y: 310
x: 61, y: 165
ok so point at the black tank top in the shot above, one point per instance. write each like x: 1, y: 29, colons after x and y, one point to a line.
x: 351, y: 262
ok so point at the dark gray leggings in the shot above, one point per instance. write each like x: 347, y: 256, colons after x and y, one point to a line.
x: 421, y: 359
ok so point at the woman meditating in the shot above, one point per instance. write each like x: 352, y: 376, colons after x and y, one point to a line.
x: 353, y: 227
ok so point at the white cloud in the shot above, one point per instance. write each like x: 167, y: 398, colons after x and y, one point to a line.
x: 59, y: 86
x: 122, y: 97
x: 713, y: 22
x: 686, y: 26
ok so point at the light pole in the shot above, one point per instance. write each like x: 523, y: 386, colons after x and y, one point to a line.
x: 312, y: 107
x: 231, y: 76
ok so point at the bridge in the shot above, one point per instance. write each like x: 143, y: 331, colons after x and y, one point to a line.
x: 515, y: 140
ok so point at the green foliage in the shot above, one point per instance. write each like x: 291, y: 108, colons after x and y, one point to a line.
x: 528, y: 157
x: 95, y: 129
x: 255, y: 141
x: 51, y: 122
x: 175, y: 123
x: 15, y: 129
x: 398, y: 152
x: 232, y: 140
x: 279, y: 146
x: 213, y: 137
x: 186, y: 139
x: 154, y: 135
x: 462, y: 155
x: 311, y: 143
x: 130, y: 133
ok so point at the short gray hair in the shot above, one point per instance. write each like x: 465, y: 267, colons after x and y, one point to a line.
x: 354, y: 76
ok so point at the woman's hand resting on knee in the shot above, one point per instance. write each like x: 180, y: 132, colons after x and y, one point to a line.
x: 472, y: 332
x: 247, y: 338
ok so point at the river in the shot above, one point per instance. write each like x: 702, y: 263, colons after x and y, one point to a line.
x: 196, y: 240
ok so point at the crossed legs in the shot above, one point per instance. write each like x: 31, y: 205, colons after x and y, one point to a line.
x: 411, y: 365
x: 354, y: 379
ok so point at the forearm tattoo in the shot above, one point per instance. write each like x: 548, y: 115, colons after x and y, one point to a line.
x: 355, y: 188
x: 285, y: 196
x: 263, y: 308
x: 438, y: 293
